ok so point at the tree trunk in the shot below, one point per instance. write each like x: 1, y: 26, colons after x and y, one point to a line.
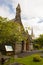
x: 14, y: 47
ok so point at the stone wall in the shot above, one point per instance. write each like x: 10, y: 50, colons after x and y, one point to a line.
x: 30, y: 47
x: 18, y: 48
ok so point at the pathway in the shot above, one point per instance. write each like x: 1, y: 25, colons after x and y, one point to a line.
x: 29, y: 53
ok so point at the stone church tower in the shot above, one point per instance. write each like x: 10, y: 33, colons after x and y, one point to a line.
x: 32, y: 34
x: 18, y: 14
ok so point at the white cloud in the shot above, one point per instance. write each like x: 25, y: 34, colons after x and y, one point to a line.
x: 30, y: 9
x: 4, y: 11
x: 33, y: 23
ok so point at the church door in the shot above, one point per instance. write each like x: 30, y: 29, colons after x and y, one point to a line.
x: 27, y: 45
x: 22, y: 48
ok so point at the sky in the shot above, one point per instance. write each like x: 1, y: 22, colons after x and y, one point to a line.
x: 31, y: 13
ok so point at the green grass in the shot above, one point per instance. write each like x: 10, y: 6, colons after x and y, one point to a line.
x: 41, y: 49
x: 26, y: 60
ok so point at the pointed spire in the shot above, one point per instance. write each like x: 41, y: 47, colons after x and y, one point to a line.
x: 18, y: 5
x: 32, y: 34
x: 18, y: 14
x: 18, y: 8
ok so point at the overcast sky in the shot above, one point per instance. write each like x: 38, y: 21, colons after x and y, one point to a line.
x: 31, y: 12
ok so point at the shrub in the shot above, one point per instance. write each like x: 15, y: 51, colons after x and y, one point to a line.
x: 37, y: 58
x: 37, y: 46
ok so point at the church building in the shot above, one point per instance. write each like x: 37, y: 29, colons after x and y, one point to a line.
x: 24, y: 46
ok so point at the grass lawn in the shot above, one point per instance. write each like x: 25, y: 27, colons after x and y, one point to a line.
x: 26, y: 60
x: 41, y: 49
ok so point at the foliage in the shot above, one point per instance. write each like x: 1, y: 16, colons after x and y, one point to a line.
x: 11, y: 32
x: 37, y: 58
x: 36, y: 46
x: 39, y: 40
x: 28, y: 60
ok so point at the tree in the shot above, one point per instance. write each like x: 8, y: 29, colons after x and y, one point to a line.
x: 11, y: 32
x: 39, y: 40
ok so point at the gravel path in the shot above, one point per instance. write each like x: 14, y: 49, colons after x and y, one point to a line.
x: 29, y: 53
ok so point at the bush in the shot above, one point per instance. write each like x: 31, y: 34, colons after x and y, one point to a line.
x: 36, y: 46
x: 37, y: 58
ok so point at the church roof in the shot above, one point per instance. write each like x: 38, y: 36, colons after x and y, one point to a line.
x: 13, y: 20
